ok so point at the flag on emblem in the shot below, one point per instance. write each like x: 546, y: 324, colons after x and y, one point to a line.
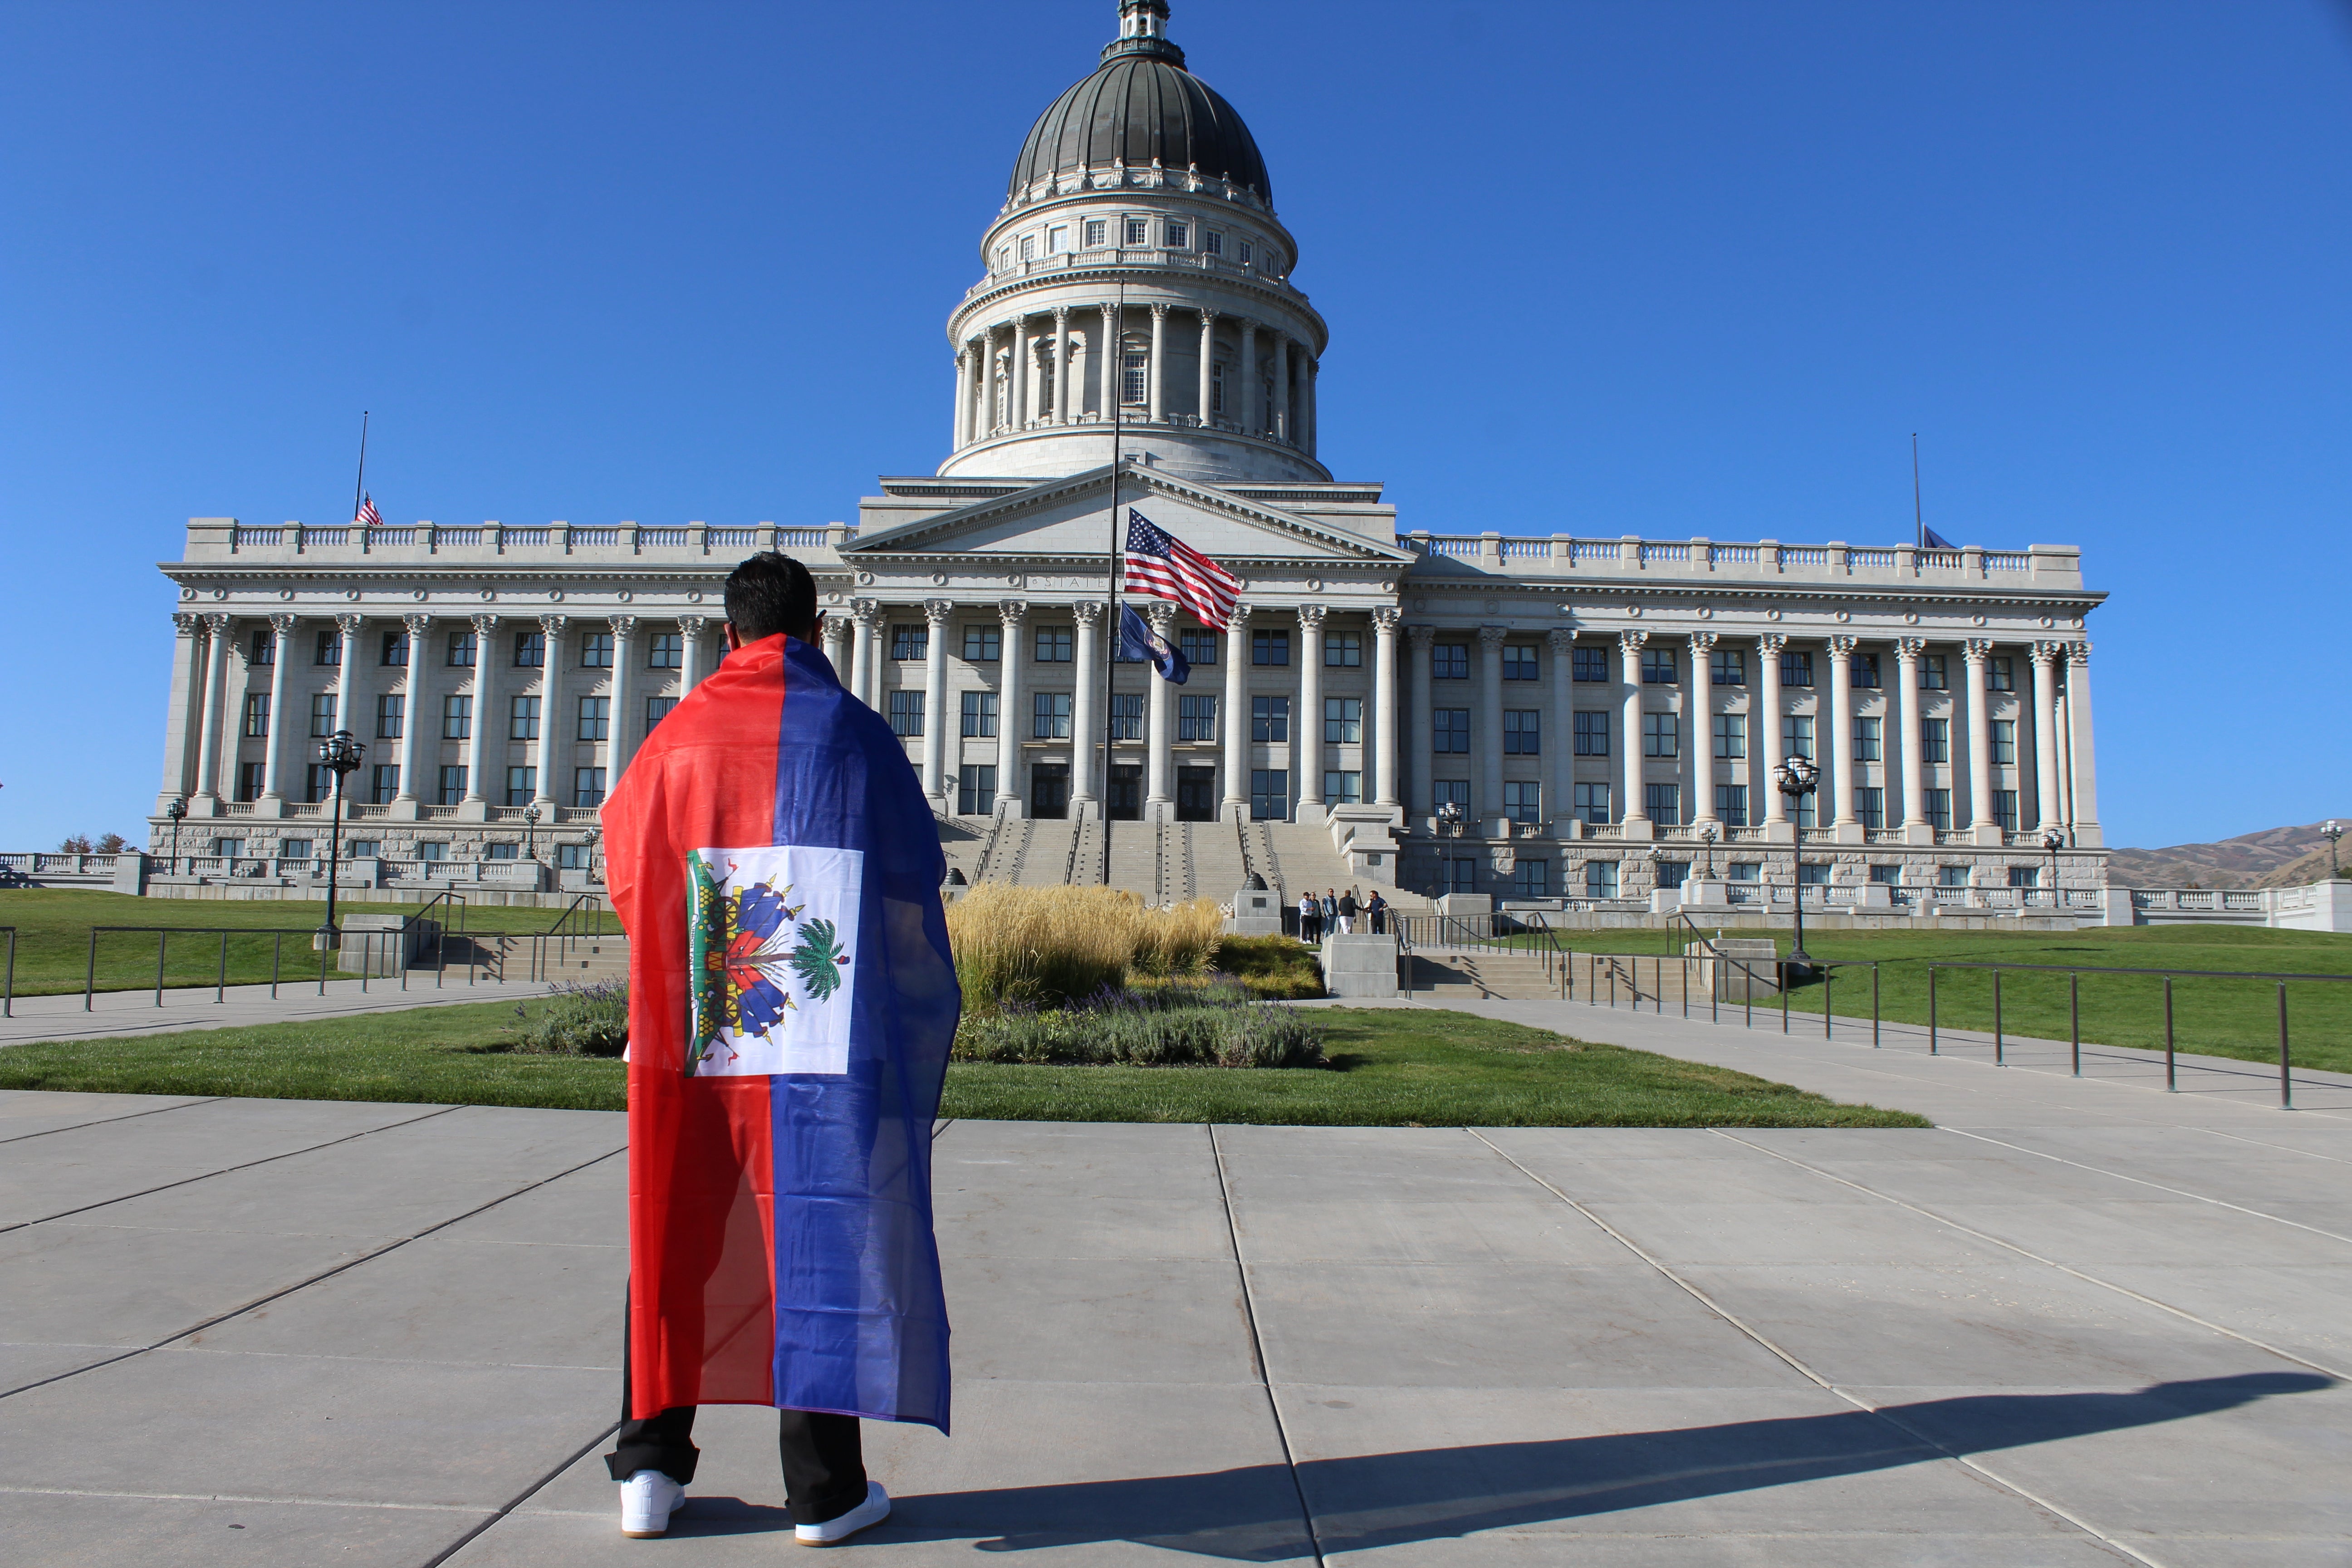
x: 368, y: 517
x: 1138, y: 641
x: 1163, y: 566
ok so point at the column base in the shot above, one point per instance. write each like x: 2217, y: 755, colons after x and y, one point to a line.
x: 1848, y: 833
x: 474, y: 808
x: 1084, y: 808
x: 402, y: 808
x: 1639, y: 828
x: 1779, y: 833
x: 270, y: 805
x: 204, y: 802
x: 1919, y: 832
x: 1232, y: 811
x: 1011, y: 807
x: 1158, y: 811
x: 1985, y: 835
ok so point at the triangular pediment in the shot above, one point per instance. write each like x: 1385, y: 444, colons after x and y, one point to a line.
x: 1070, y: 517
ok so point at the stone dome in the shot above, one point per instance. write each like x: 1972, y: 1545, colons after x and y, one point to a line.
x: 1140, y: 105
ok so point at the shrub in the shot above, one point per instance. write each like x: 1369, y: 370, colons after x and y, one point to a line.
x: 1043, y: 945
x: 1274, y: 967
x: 1170, y: 1025
x: 590, y: 1020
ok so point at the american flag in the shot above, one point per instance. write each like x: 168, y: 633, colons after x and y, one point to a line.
x: 1166, y: 568
x: 367, y: 516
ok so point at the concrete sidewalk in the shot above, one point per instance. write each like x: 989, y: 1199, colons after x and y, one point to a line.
x: 115, y: 1012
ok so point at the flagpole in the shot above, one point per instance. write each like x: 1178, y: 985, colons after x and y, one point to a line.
x: 1918, y: 515
x: 1114, y: 370
x: 358, y: 484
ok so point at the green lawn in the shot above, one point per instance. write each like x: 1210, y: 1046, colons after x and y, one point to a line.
x: 1393, y: 1069
x: 53, y: 927
x: 2221, y: 1017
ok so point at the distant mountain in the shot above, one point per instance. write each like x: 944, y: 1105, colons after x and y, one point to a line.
x: 2274, y: 858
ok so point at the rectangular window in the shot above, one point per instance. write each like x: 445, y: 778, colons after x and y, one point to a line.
x: 595, y: 651
x: 1813, y: 874
x: 1672, y: 873
x: 1731, y: 735
x: 360, y: 849
x: 587, y: 787
x: 1939, y: 809
x: 530, y: 649
x: 318, y: 783
x: 1935, y: 740
x: 1519, y: 662
x: 976, y: 791
x: 1216, y: 389
x: 294, y: 849
x: 1663, y: 804
x: 1450, y: 661
x: 1450, y: 792
x: 1744, y: 871
x: 1951, y: 876
x: 1270, y: 720
x: 522, y: 719
x: 1592, y: 735
x: 248, y: 781
x: 262, y: 650
x: 1659, y: 667
x: 1522, y: 732
x: 595, y: 718
x: 1049, y: 715
x: 1130, y: 377
x: 2005, y: 742
x: 2004, y: 809
x: 1592, y: 664
x: 572, y: 856
x: 1592, y: 803
x: 229, y: 848
x: 1531, y: 879
x: 1343, y: 720
x: 1343, y: 650
x: 322, y: 713
x: 457, y: 718
x: 461, y: 650
x: 453, y: 785
x: 1866, y: 742
x: 1796, y: 670
x: 1211, y: 242
x: 1248, y: 253
x: 1126, y: 716
x: 503, y: 850
x: 1269, y: 795
x: 910, y: 641
x: 1058, y: 239
x: 433, y: 849
x: 1343, y: 787
x: 905, y: 713
x: 1865, y: 670
x: 1270, y: 648
x: 1931, y: 672
x: 1797, y: 736
x: 1887, y: 876
x: 657, y: 710
x: 2000, y: 673
x: 2025, y: 876
x: 257, y: 715
x: 384, y: 783
x: 1660, y: 735
x: 1731, y: 804
x: 1139, y: 231
x: 1180, y: 236
x: 395, y: 648
x: 1053, y: 643
x: 1601, y: 878
x: 391, y: 713
x: 666, y: 650
x: 330, y: 649
x: 981, y: 645
x: 1870, y: 804
x: 980, y: 718
x: 523, y: 786
x: 1523, y: 799
x: 1728, y: 667
x: 1096, y: 235
x: 1198, y: 647
x: 1196, y: 718
x: 1449, y: 730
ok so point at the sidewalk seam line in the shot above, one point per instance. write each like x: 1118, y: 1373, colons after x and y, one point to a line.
x: 520, y: 1497
x: 126, y: 1116
x: 2142, y: 1181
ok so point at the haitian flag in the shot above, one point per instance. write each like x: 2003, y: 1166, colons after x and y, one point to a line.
x: 792, y: 1000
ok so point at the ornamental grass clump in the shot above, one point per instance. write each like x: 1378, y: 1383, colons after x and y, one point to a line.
x: 590, y: 1020
x: 1042, y: 946
x: 1211, y: 1025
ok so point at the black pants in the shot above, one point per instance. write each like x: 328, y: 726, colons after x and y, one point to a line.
x: 825, y: 1463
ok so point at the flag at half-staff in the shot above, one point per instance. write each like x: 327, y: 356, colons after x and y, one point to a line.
x: 367, y: 516
x: 1165, y: 567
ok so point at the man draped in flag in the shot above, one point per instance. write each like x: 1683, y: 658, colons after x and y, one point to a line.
x: 1165, y: 567
x: 792, y: 1000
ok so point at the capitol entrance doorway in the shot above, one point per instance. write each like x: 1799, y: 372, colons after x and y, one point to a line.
x: 1196, y: 795
x: 1049, y: 789
x: 1126, y: 802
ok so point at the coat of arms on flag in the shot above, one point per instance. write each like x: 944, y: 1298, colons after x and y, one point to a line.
x: 768, y: 949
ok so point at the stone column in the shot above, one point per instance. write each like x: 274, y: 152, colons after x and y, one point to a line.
x: 1012, y: 723
x: 486, y: 632
x: 2046, y: 811
x: 1082, y: 352
x: 622, y: 735
x: 1061, y: 365
x: 1977, y: 651
x: 2078, y: 729
x: 1633, y: 814
x: 689, y: 663
x: 1311, y: 416
x: 1914, y: 769
x: 273, y: 751
x: 551, y: 692
x: 1208, y: 365
x: 985, y: 409
x: 1383, y: 717
x: 1022, y: 413
x: 1235, y: 806
x: 1158, y: 799
x: 208, y: 751
x: 1086, y: 719
x: 1278, y: 426
x: 1253, y: 418
x: 1307, y: 736
x: 1841, y: 725
x: 1560, y: 672
x: 963, y: 398
x: 347, y: 677
x: 862, y: 676
x: 1159, y: 380
x: 187, y: 711
x: 1702, y: 731
x: 1768, y: 671
x: 1114, y: 356
x: 1489, y: 791
x: 1424, y: 788
x: 940, y: 728
x: 412, y: 710
x: 836, y: 635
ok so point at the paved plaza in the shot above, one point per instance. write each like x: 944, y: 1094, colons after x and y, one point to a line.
x: 2078, y: 1322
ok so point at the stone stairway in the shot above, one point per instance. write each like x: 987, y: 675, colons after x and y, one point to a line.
x: 1044, y: 853
x: 1086, y: 863
x: 1134, y: 855
x: 1219, y: 865
x: 580, y: 960
x: 1483, y: 973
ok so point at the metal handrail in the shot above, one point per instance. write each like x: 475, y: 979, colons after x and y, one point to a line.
x: 456, y: 900
x: 8, y: 987
x: 164, y: 935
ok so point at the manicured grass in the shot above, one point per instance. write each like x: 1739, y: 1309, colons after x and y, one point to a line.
x: 1393, y: 1067
x: 53, y: 926
x: 2212, y: 1017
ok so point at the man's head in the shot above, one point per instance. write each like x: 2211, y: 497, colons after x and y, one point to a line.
x: 770, y: 593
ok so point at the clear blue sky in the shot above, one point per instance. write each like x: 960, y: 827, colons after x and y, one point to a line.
x: 1656, y: 268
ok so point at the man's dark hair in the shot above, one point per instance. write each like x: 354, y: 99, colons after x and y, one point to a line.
x: 770, y: 593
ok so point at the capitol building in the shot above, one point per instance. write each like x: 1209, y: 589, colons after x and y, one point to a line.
x: 1531, y: 717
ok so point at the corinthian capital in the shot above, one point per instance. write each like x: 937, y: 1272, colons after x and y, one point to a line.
x: 418, y: 626
x: 1492, y: 637
x: 1843, y: 647
x: 1909, y: 650
x: 1632, y: 641
x: 1702, y: 642
x: 865, y: 612
x: 1310, y: 616
x: 1561, y: 641
x: 1385, y: 619
x: 281, y: 627
x: 938, y: 612
x: 1772, y: 643
x: 1087, y: 611
x: 552, y: 625
x: 1976, y: 650
x: 1011, y: 613
x: 350, y: 626
x: 1420, y: 636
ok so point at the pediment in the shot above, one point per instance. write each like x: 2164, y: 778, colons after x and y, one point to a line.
x: 1070, y: 517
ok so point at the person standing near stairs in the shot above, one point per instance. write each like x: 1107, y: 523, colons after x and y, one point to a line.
x: 1310, y: 918
x: 1348, y: 912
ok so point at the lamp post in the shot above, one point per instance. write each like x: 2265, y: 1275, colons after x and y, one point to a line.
x: 593, y: 834
x: 1707, y: 836
x: 529, y: 827
x: 2332, y: 832
x: 1797, y: 778
x: 1450, y: 816
x: 2053, y: 841
x: 178, y: 808
x: 341, y: 754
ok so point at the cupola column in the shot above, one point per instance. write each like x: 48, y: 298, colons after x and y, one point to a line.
x: 987, y: 384
x: 1061, y: 365
x: 1253, y: 416
x: 1022, y: 413
x: 1113, y: 360
x: 1314, y: 369
x: 1278, y: 423
x: 1208, y: 365
x: 1158, y: 361
x: 963, y: 397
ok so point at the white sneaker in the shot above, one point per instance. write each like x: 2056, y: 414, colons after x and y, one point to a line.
x: 647, y: 1500
x: 873, y: 1510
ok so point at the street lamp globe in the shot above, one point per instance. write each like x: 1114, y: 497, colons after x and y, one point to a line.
x: 1797, y: 778
x: 1707, y: 835
x: 177, y: 808
x: 341, y: 756
x: 2332, y: 832
x: 2053, y: 841
x: 530, y: 828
